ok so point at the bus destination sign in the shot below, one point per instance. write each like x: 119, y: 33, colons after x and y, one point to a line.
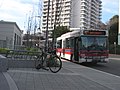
x: 86, y: 32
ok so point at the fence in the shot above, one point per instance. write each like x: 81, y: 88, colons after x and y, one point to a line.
x: 114, y: 49
x: 22, y: 54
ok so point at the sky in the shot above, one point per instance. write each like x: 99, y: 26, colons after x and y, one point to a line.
x: 19, y: 10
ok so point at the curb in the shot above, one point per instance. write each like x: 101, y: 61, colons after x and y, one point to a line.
x: 10, y: 81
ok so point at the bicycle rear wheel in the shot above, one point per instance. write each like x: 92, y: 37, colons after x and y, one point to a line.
x: 39, y: 62
x: 55, y: 64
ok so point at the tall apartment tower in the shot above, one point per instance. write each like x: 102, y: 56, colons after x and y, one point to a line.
x: 84, y: 14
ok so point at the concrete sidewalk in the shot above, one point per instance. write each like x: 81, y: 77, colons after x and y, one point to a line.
x: 114, y: 56
x: 3, y: 82
x: 71, y: 77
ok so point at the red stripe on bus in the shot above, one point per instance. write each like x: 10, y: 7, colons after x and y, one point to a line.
x: 68, y: 53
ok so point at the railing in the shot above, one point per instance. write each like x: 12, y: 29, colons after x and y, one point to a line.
x: 22, y: 54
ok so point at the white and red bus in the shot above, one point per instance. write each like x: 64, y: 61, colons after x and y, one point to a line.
x: 84, y: 46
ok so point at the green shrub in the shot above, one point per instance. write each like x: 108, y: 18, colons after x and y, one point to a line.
x: 3, y: 50
x: 118, y: 49
x: 28, y: 48
x: 114, y: 49
x: 31, y: 49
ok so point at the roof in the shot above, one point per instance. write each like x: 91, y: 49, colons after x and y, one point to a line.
x: 8, y: 22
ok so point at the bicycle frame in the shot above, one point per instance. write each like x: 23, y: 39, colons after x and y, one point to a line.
x: 50, y: 60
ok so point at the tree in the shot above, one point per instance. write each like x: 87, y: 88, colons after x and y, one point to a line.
x: 59, y: 30
x: 113, y: 29
x: 114, y: 19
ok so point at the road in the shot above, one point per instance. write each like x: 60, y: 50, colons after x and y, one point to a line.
x: 113, y: 66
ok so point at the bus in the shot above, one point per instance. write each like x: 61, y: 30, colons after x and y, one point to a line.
x: 84, y: 46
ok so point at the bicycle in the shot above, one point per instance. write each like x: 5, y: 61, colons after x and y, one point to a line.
x: 50, y: 60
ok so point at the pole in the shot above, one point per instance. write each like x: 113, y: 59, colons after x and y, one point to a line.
x: 115, y: 46
x: 46, y: 41
x: 54, y: 38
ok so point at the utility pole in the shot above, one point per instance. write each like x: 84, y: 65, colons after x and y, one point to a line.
x: 56, y: 15
x: 115, y: 46
x: 46, y: 41
x: 28, y: 32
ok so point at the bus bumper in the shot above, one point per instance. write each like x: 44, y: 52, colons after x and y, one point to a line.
x: 103, y: 60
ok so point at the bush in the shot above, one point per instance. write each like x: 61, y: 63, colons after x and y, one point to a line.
x: 113, y: 49
x: 28, y: 48
x: 31, y: 49
x: 118, y: 49
x: 3, y: 50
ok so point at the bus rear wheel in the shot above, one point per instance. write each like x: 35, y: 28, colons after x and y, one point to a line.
x: 72, y: 58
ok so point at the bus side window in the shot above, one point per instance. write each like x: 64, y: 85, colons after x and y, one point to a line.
x: 80, y: 43
x: 59, y: 44
x: 67, y: 42
x: 71, y: 42
x: 64, y: 44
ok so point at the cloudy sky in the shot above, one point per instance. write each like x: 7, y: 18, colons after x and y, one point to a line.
x: 109, y: 9
x: 19, y: 10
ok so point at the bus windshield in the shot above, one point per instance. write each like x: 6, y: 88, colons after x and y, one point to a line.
x: 94, y: 43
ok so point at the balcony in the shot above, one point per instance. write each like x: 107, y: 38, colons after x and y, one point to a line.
x: 67, y: 1
x: 67, y: 4
x: 66, y: 24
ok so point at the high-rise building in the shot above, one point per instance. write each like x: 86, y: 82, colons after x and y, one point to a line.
x: 84, y: 14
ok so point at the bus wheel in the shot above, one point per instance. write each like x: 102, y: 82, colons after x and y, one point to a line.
x: 72, y: 58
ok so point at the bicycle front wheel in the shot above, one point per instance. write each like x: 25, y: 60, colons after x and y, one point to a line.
x: 55, y: 64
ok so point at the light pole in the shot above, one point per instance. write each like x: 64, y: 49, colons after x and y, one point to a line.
x: 54, y: 37
x: 46, y: 41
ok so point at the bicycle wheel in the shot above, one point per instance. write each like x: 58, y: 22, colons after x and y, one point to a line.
x: 39, y: 62
x: 55, y: 64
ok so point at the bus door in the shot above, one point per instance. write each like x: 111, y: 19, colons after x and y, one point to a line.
x: 76, y: 49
